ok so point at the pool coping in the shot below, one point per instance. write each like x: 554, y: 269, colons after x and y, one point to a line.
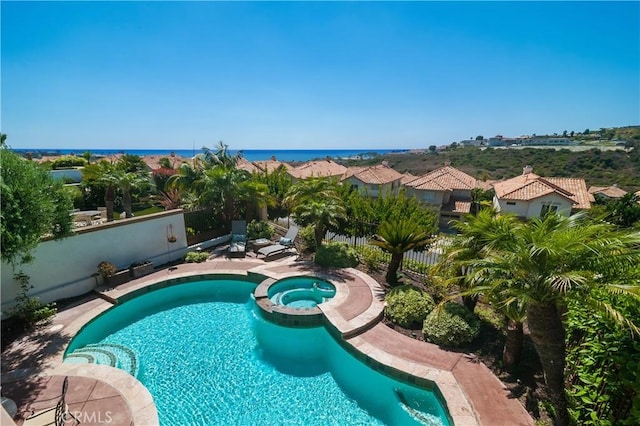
x: 456, y: 403
x: 140, y: 401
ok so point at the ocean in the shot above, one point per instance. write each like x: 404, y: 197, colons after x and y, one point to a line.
x: 249, y: 154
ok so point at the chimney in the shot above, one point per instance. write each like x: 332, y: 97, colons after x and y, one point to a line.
x: 385, y: 163
x: 527, y: 169
x: 447, y: 163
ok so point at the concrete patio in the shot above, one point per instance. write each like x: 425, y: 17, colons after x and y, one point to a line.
x: 32, y: 367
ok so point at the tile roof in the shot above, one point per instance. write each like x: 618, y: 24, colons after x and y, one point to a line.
x: 379, y: 174
x: 244, y: 164
x: 270, y: 165
x: 457, y: 206
x: 608, y: 191
x: 406, y: 178
x: 445, y: 178
x: 153, y: 161
x: 318, y: 168
x: 530, y: 186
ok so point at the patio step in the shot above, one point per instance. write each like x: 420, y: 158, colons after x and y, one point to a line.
x: 111, y: 354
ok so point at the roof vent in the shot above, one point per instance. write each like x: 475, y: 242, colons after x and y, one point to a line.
x: 527, y: 169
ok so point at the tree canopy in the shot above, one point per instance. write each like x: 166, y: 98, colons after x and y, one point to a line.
x: 33, y: 205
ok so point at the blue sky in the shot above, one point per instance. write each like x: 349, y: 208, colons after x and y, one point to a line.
x: 173, y: 75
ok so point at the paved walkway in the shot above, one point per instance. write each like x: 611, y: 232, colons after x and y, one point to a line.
x: 91, y: 401
x: 472, y: 393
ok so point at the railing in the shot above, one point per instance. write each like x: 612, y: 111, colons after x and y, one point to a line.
x: 203, y: 225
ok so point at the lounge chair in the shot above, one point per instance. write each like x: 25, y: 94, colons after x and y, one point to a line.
x: 58, y: 415
x: 284, y: 244
x: 238, y: 246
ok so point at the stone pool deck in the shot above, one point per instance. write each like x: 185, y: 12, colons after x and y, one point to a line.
x: 32, y: 366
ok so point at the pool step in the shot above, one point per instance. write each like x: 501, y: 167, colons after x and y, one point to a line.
x: 111, y: 354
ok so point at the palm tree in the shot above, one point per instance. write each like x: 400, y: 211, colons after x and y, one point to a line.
x: 314, y: 188
x: 487, y: 228
x: 105, y: 174
x: 397, y: 238
x: 321, y: 214
x: 315, y: 201
x: 127, y: 182
x: 546, y: 260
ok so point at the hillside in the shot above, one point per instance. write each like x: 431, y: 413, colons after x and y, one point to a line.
x: 597, y: 167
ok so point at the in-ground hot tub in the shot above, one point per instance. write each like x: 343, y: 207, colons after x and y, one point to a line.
x: 301, y: 292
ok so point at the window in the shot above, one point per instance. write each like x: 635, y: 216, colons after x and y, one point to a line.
x: 548, y: 208
x: 429, y: 197
x: 511, y: 203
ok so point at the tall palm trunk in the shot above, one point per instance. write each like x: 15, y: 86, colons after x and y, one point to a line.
x: 109, y: 198
x: 513, y: 344
x: 547, y: 334
x: 394, y: 265
x: 126, y: 203
x: 470, y: 302
x: 319, y: 233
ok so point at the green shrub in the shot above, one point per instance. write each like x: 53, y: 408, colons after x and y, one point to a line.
x: 452, y: 325
x: 259, y: 229
x: 308, y: 238
x: 408, y: 306
x: 68, y: 161
x: 196, y: 257
x: 338, y: 255
x: 373, y: 257
x: 30, y: 309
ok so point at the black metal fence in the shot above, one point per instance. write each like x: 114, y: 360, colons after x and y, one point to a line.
x: 203, y: 225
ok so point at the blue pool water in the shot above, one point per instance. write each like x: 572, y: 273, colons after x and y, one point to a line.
x: 208, y: 357
x: 301, y: 292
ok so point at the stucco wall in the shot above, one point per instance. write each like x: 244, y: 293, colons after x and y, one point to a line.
x: 530, y: 209
x: 66, y: 267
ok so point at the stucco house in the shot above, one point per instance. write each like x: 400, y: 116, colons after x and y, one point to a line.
x: 270, y: 165
x: 373, y: 180
x: 529, y: 195
x: 607, y: 192
x: 447, y: 189
x: 317, y: 168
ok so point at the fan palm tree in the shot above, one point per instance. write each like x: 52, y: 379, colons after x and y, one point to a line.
x: 546, y: 260
x: 398, y: 238
x: 105, y: 173
x: 128, y: 182
x: 321, y: 214
x: 315, y: 201
x: 486, y: 229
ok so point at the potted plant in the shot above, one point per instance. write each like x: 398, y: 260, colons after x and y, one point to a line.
x: 140, y: 269
x: 112, y: 277
x: 106, y: 269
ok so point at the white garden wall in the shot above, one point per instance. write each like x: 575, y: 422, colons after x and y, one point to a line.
x: 67, y: 267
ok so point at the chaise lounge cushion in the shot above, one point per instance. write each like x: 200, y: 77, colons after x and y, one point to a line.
x: 285, y: 241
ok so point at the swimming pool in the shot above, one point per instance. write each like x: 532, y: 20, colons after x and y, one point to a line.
x: 301, y: 292
x: 208, y: 357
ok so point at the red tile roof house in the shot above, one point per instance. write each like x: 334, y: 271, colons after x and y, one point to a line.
x: 318, y: 168
x: 607, y: 192
x: 270, y: 165
x: 447, y: 189
x: 373, y: 180
x: 529, y: 195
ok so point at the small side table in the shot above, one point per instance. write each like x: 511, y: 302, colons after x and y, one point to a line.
x: 259, y: 243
